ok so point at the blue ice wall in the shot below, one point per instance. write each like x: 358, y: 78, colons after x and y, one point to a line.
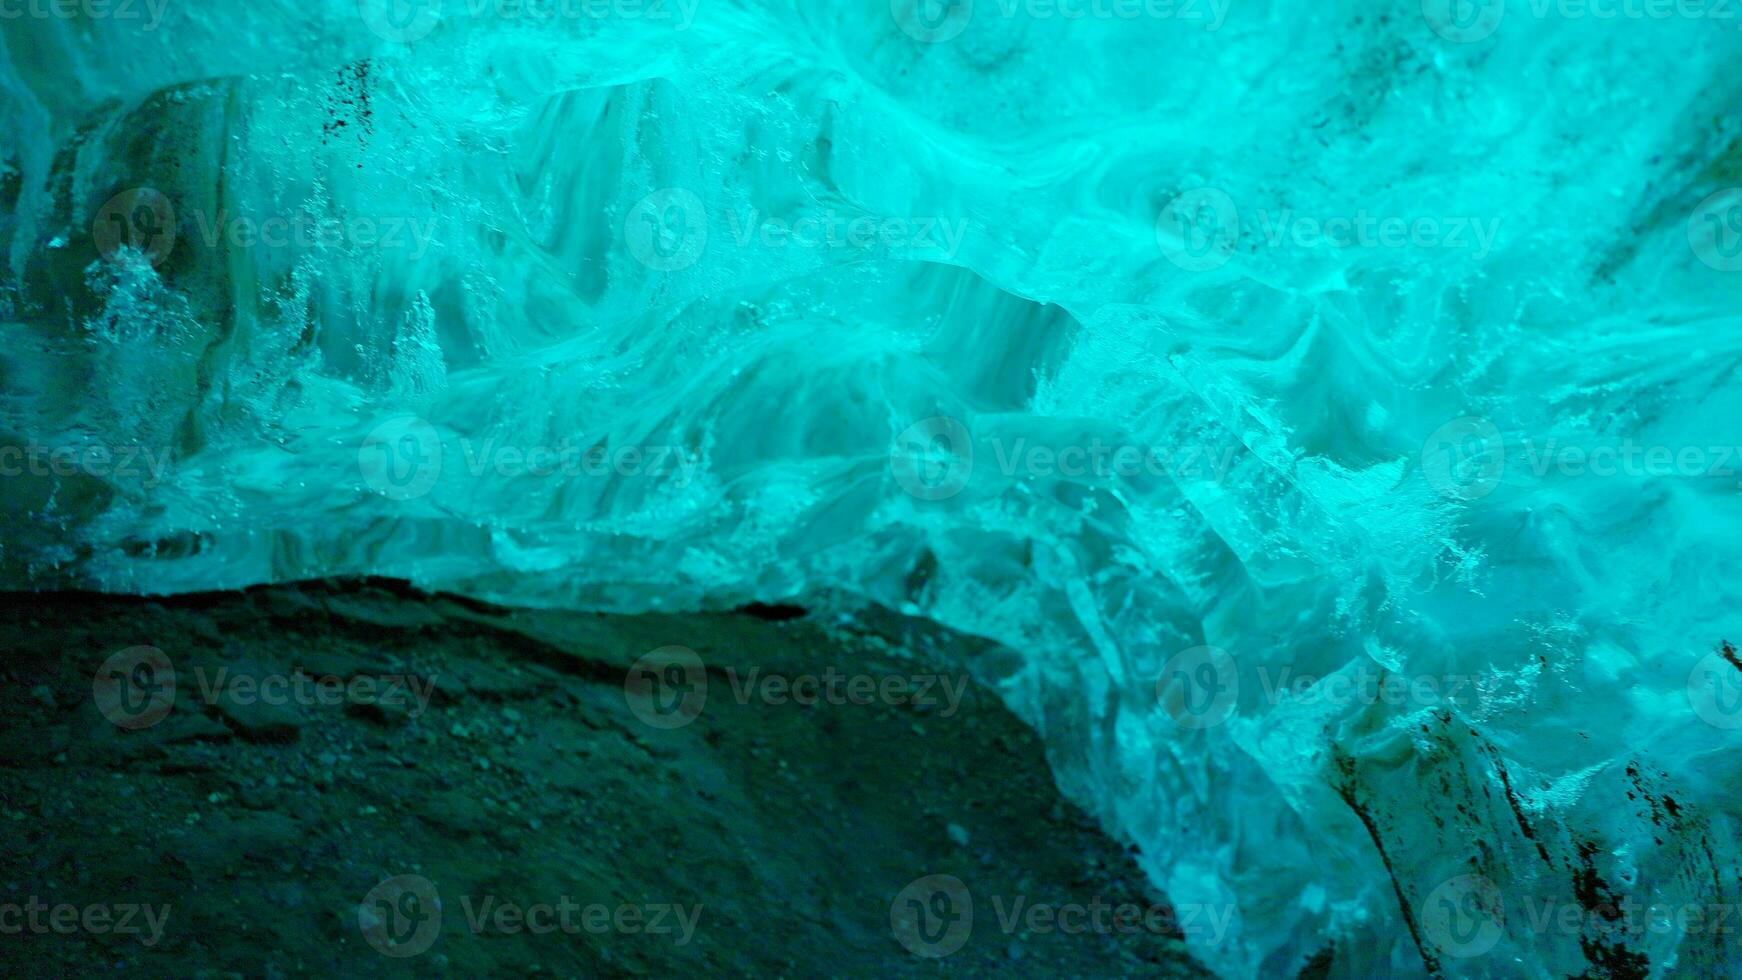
x: 1329, y: 410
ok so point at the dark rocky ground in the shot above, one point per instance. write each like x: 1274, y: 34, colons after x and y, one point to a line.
x: 789, y: 836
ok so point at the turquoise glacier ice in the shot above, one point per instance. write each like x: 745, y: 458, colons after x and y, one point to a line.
x: 1318, y: 420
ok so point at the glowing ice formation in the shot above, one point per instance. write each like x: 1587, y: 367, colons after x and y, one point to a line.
x: 1327, y: 410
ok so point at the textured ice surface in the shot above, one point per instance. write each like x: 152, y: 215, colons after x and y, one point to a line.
x: 1262, y: 350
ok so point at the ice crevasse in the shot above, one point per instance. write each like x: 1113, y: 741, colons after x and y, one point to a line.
x: 1312, y: 418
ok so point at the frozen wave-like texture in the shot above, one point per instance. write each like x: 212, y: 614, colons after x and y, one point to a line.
x: 539, y: 241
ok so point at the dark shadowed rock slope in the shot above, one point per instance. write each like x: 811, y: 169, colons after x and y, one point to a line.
x: 296, y: 807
